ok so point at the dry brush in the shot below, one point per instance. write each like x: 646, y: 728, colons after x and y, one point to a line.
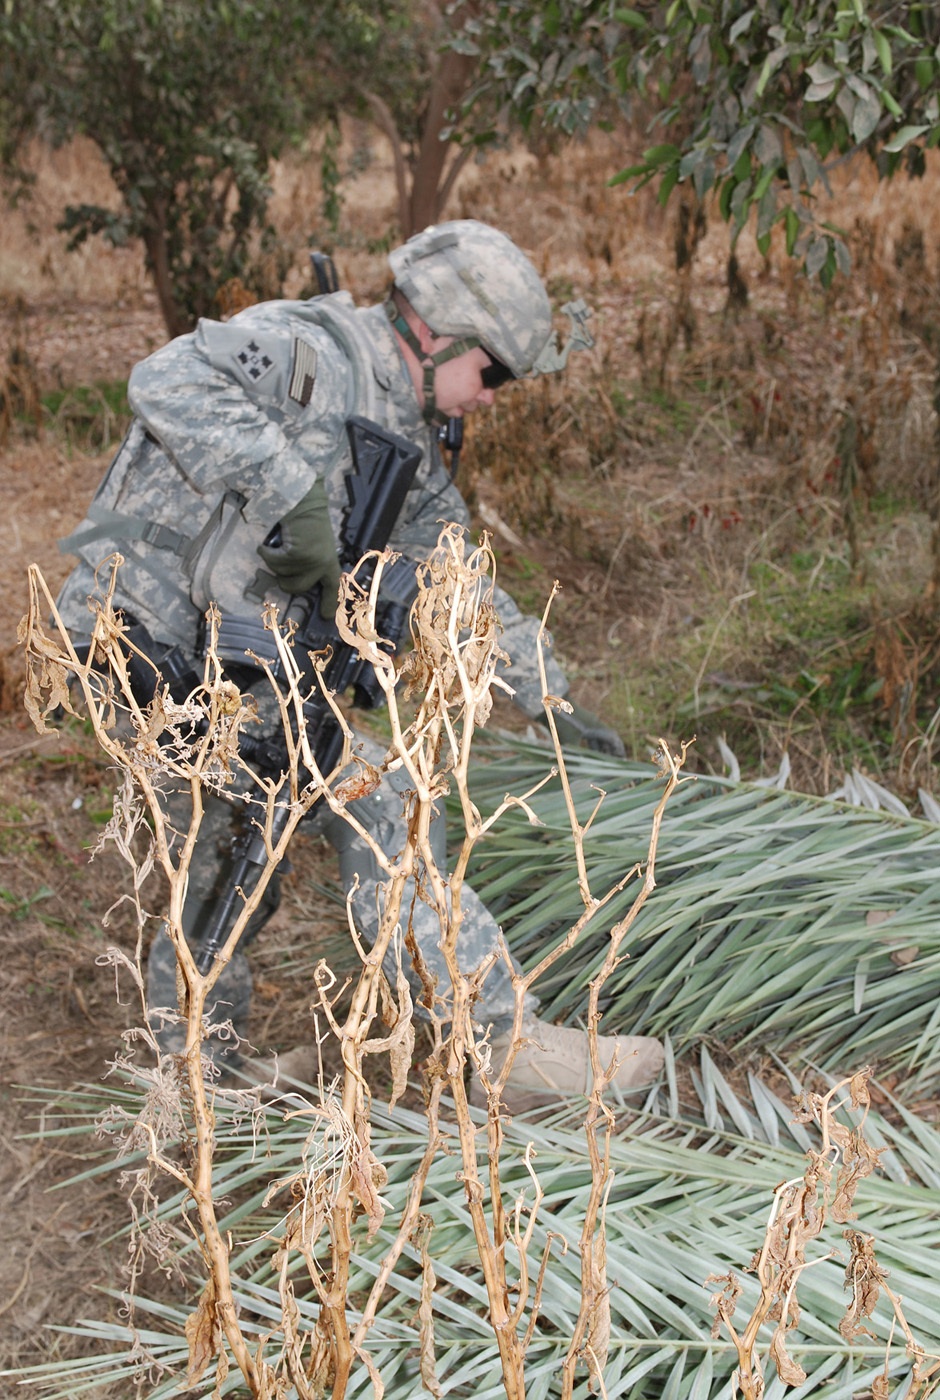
x: 334, y: 1194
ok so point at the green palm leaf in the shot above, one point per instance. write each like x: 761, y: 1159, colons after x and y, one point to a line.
x: 760, y: 931
x: 757, y: 936
x: 688, y: 1200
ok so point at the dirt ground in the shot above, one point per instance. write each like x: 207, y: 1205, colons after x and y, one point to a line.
x: 63, y: 1015
x: 60, y: 1021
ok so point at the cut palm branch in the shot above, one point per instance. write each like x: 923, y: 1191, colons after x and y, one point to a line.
x: 686, y: 1201
x: 761, y: 930
x: 780, y: 922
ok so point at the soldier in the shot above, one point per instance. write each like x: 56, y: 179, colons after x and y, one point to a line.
x: 229, y: 488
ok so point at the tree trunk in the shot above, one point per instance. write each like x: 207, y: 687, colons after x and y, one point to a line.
x: 158, y: 264
x: 738, y: 293
x: 423, y: 192
x: 386, y: 121
x: 429, y: 186
x: 691, y: 226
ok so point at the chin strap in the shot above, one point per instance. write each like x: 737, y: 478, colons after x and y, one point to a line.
x: 429, y: 363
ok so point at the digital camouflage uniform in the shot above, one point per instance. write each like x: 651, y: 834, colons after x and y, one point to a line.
x: 233, y: 425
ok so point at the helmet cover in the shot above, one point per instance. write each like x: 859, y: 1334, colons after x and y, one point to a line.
x: 466, y: 279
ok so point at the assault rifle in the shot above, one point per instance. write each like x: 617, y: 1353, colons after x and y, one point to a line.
x: 383, y: 469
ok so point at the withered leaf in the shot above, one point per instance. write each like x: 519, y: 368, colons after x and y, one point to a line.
x: 221, y: 1373
x: 203, y: 1335
x: 859, y: 1161
x: 864, y: 1276
x: 401, y: 1057
x: 400, y: 1043
x: 46, y: 678
x: 724, y: 1301
x: 805, y: 1107
x: 321, y: 1367
x: 789, y: 1371
x: 426, y: 1308
x: 858, y: 1088
x: 368, y: 1179
x: 838, y: 1134
x: 814, y: 1212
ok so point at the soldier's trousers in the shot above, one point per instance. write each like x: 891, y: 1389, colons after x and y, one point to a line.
x: 381, y: 815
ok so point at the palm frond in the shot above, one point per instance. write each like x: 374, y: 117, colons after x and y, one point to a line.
x: 759, y: 933
x: 763, y: 930
x: 689, y: 1199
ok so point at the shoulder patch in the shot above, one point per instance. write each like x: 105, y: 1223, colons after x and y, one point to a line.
x: 253, y: 362
x: 303, y: 372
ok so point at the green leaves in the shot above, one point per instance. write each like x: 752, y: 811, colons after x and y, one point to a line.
x: 815, y: 80
x: 904, y: 137
x: 662, y: 160
x: 883, y: 50
x: 633, y: 18
x: 189, y: 103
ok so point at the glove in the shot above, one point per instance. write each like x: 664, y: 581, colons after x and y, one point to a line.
x: 301, y: 550
x: 583, y: 729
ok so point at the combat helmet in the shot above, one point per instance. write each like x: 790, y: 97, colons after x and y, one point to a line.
x: 468, y: 280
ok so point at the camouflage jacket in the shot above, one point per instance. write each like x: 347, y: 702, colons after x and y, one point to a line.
x: 233, y: 424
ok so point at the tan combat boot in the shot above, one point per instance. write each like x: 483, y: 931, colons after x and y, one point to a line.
x: 282, y: 1072
x: 553, y: 1065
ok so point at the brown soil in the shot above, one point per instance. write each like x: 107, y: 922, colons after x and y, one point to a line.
x: 61, y: 1022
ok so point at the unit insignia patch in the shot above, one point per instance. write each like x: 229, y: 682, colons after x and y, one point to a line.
x: 253, y: 361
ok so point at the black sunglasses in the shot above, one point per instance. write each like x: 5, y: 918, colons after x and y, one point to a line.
x: 495, y: 374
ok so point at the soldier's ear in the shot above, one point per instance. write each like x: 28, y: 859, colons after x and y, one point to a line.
x: 426, y: 337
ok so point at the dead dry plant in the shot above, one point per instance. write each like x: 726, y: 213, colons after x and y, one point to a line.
x: 19, y: 382
x: 798, y: 1216
x: 335, y: 1192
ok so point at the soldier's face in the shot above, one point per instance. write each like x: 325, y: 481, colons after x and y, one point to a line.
x: 458, y: 386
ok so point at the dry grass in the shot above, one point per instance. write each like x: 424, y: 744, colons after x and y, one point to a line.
x: 34, y: 263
